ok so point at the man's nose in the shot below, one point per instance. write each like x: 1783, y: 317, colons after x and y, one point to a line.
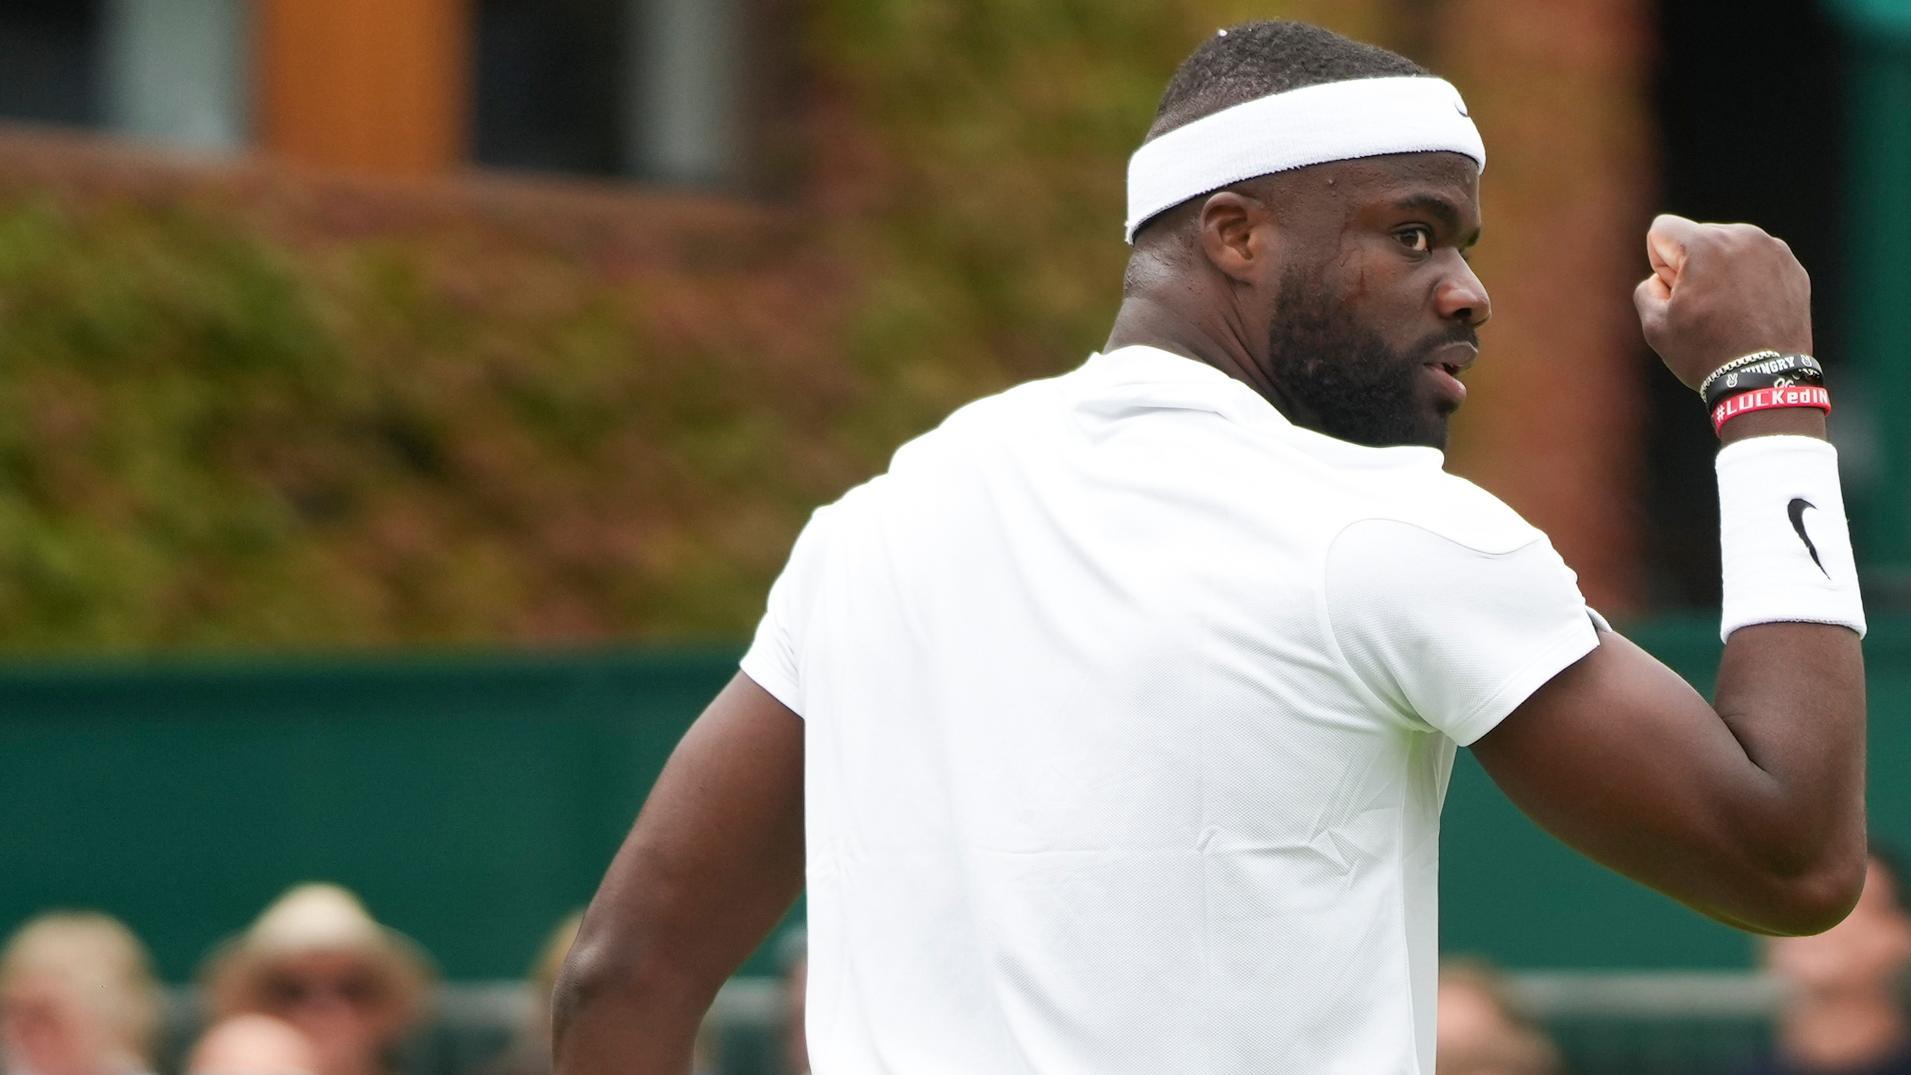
x: 1463, y: 298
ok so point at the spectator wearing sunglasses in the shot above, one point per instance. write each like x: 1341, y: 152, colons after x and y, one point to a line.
x: 318, y: 960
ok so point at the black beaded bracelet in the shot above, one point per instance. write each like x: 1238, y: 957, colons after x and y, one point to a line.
x: 1782, y: 371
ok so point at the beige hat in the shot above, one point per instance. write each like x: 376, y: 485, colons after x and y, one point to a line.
x: 315, y: 918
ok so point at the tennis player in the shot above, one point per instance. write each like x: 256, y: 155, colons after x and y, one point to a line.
x: 1109, y: 728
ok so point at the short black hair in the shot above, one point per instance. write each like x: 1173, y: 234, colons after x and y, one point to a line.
x: 1257, y: 59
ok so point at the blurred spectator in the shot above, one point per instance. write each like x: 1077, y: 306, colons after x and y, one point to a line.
x: 793, y: 956
x: 1844, y: 1011
x: 1481, y: 1031
x: 532, y: 1053
x: 253, y: 1045
x: 317, y: 960
x: 77, y: 997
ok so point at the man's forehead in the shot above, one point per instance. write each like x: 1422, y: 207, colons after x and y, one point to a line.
x: 1399, y: 180
x: 1453, y: 173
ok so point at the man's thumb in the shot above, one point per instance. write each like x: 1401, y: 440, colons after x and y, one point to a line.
x: 1666, y: 245
x: 1651, y: 296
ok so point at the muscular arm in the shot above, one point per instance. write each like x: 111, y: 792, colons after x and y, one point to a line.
x: 1752, y: 813
x: 714, y: 860
x: 1750, y: 810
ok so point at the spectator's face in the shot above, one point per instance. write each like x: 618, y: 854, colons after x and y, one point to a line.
x: 342, y: 1004
x: 46, y: 1029
x: 1866, y: 953
x: 250, y: 1045
x: 1474, y: 1036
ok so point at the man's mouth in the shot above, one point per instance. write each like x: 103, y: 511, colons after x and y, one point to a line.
x: 1454, y: 358
x: 1449, y: 362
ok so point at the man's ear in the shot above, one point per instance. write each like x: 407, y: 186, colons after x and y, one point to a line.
x: 1233, y: 236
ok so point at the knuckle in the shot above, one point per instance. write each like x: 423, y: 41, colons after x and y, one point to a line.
x: 1734, y: 237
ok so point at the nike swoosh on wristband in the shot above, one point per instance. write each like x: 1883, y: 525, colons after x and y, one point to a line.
x: 1796, y: 509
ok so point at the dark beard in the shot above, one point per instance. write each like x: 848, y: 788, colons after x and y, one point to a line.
x: 1344, y: 380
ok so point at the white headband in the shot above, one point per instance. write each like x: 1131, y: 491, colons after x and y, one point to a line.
x: 1332, y: 121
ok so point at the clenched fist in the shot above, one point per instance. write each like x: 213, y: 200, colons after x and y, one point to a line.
x: 1718, y: 291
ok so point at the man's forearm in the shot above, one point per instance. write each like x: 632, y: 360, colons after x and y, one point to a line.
x: 1793, y: 693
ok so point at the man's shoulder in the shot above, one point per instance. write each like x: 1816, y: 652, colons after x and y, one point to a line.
x: 1020, y: 410
x: 1025, y: 400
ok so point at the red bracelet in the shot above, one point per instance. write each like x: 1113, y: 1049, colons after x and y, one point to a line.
x: 1765, y: 399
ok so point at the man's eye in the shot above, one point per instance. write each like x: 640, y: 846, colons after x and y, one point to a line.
x: 1417, y: 238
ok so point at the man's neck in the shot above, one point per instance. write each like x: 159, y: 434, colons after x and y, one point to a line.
x: 1143, y: 321
x: 1848, y: 1032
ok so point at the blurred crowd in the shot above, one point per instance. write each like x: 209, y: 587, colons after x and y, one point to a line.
x: 317, y: 986
x: 1843, y: 1009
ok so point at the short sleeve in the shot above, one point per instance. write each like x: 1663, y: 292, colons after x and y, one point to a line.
x: 773, y: 659
x: 1449, y: 635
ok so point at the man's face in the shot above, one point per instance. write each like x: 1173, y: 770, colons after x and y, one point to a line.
x: 1375, y: 314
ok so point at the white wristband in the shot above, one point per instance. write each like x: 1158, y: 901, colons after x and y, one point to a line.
x: 1783, y: 542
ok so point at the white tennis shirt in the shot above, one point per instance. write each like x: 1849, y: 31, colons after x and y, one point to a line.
x: 1130, y: 708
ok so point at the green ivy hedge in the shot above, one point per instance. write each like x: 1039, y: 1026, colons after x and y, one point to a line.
x: 217, y: 432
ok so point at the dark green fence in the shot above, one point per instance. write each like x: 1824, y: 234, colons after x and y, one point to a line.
x: 474, y: 800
